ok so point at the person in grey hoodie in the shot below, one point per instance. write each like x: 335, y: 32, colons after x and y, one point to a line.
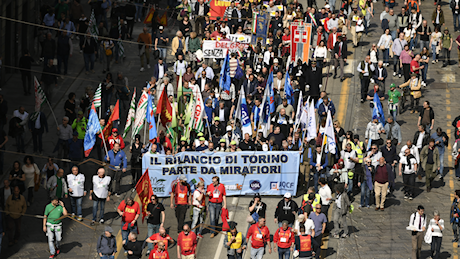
x: 107, y: 244
x: 392, y: 23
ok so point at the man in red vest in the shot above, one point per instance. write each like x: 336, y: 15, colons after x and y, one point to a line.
x: 186, y: 244
x: 159, y: 237
x: 217, y: 196
x: 159, y: 252
x: 180, y: 199
x: 260, y: 237
x: 284, y: 239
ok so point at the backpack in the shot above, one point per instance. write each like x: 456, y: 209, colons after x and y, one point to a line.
x: 385, y: 24
x: 410, y: 156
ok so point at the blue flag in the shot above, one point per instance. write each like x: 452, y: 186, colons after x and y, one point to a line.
x: 377, y: 112
x: 245, y: 120
x: 271, y: 92
x: 288, y: 89
x: 239, y: 72
x: 225, y: 81
x: 91, y: 130
x: 151, y: 120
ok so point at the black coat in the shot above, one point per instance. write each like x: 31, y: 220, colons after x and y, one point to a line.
x: 43, y: 123
x: 426, y: 137
x: 314, y: 79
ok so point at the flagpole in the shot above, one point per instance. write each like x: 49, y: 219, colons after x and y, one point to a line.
x: 145, y: 131
x: 52, y: 112
x: 105, y: 145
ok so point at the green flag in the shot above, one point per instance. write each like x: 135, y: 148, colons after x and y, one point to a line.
x: 131, y: 114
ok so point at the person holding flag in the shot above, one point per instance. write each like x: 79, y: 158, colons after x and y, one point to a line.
x: 118, y: 164
x: 150, y: 117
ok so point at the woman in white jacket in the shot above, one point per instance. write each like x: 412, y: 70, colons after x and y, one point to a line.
x: 320, y: 54
x: 384, y: 45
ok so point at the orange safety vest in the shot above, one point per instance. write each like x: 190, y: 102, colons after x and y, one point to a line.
x: 305, y: 243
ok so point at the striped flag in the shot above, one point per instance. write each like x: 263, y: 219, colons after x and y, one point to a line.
x: 121, y: 49
x: 254, y: 23
x: 140, y: 114
x: 97, y: 100
x: 92, y: 27
x: 40, y: 98
x: 131, y: 114
x: 198, y: 113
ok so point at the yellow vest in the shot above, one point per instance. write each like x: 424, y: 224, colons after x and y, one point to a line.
x: 238, y: 242
x: 315, y: 202
x: 358, y: 150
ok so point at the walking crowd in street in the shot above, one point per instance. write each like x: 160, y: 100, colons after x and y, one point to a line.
x: 263, y: 75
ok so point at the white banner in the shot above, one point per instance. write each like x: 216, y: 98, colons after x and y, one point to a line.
x: 241, y: 38
x: 218, y: 49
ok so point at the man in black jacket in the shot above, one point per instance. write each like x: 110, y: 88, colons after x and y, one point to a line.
x: 286, y: 210
x: 133, y: 246
x: 49, y: 78
x: 421, y: 137
x: 64, y: 50
x: 48, y: 49
x: 426, y: 117
x: 340, y: 54
x: 37, y: 129
x: 201, y: 10
x: 314, y: 80
x: 89, y: 52
x: 25, y: 63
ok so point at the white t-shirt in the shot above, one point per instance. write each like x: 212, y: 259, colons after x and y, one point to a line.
x: 325, y: 193
x: 420, y: 140
x: 77, y: 184
x: 409, y: 167
x: 101, y: 186
x: 309, y: 226
x: 197, y: 202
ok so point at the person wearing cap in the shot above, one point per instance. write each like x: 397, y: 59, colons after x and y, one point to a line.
x: 107, y: 244
x: 415, y: 86
x: 217, y: 200
x: 235, y: 242
x: 180, y: 200
x: 117, y: 166
x: 115, y: 138
x: 233, y: 147
x: 222, y: 145
x: 257, y: 206
x: 393, y: 101
x: 286, y: 210
x: 284, y: 240
x: 446, y: 44
x: 161, y: 41
x: 79, y: 125
x: 306, y: 247
x: 202, y: 145
x: 230, y: 136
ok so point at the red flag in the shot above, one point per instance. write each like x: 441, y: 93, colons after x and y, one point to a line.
x: 164, y: 108
x: 144, y: 191
x: 114, y: 116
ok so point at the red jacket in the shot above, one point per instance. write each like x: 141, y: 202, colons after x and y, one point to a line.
x: 330, y: 43
x: 260, y: 236
x: 187, y: 243
x: 119, y: 140
x: 284, y: 239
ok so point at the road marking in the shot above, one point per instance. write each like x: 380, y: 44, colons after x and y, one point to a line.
x: 344, y: 93
x: 222, y: 237
x: 448, y: 78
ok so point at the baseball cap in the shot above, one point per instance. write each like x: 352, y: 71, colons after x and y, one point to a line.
x: 202, y: 139
x: 183, y: 178
x: 233, y: 142
x: 109, y: 229
x: 327, y: 6
x: 216, y: 118
x: 80, y: 112
x: 114, y: 130
x: 183, y: 138
x: 229, y: 128
x: 160, y: 28
x: 200, y: 134
x: 222, y: 140
x: 287, y: 195
x: 275, y: 60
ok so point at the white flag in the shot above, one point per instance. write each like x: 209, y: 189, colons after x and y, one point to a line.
x: 298, y: 113
x: 331, y: 144
x: 140, y: 114
x: 311, y: 122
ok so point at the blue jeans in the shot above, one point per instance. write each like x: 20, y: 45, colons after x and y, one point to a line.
x: 75, y: 202
x: 412, y: 43
x: 350, y: 187
x: 152, y: 229
x: 433, y: 51
x: 97, y: 203
x: 456, y: 21
x: 163, y: 53
x: 393, y: 35
x: 424, y: 71
x: 125, y: 233
x: 284, y: 252
x: 107, y: 257
x: 386, y: 55
x: 365, y: 194
x: 332, y: 4
x: 394, y: 113
x: 138, y: 12
x: 197, y: 219
x: 424, y: 44
x: 214, y: 213
x: 89, y: 60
